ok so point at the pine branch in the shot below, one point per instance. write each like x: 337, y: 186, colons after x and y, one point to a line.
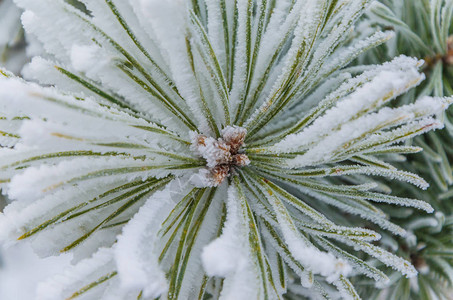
x: 197, y: 149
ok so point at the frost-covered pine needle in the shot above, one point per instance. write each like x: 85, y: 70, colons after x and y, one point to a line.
x: 187, y: 149
x: 428, y: 245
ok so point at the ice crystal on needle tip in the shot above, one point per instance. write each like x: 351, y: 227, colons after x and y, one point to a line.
x: 195, y: 149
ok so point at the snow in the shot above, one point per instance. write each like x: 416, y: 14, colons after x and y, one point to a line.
x: 168, y: 22
x: 74, y: 277
x: 385, y: 86
x: 87, y: 58
x: 202, y: 179
x: 153, y: 57
x: 233, y: 250
x: 136, y: 253
x: 316, y: 261
x: 224, y: 255
x: 34, y: 183
x: 21, y: 270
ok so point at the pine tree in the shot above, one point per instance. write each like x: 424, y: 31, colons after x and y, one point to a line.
x: 424, y: 30
x: 196, y: 149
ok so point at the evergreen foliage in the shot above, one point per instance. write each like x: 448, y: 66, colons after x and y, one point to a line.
x: 225, y: 149
x: 424, y: 30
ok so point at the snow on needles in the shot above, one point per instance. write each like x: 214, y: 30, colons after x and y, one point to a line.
x: 166, y: 143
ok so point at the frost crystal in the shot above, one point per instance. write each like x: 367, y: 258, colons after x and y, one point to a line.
x: 169, y: 143
x: 427, y: 235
